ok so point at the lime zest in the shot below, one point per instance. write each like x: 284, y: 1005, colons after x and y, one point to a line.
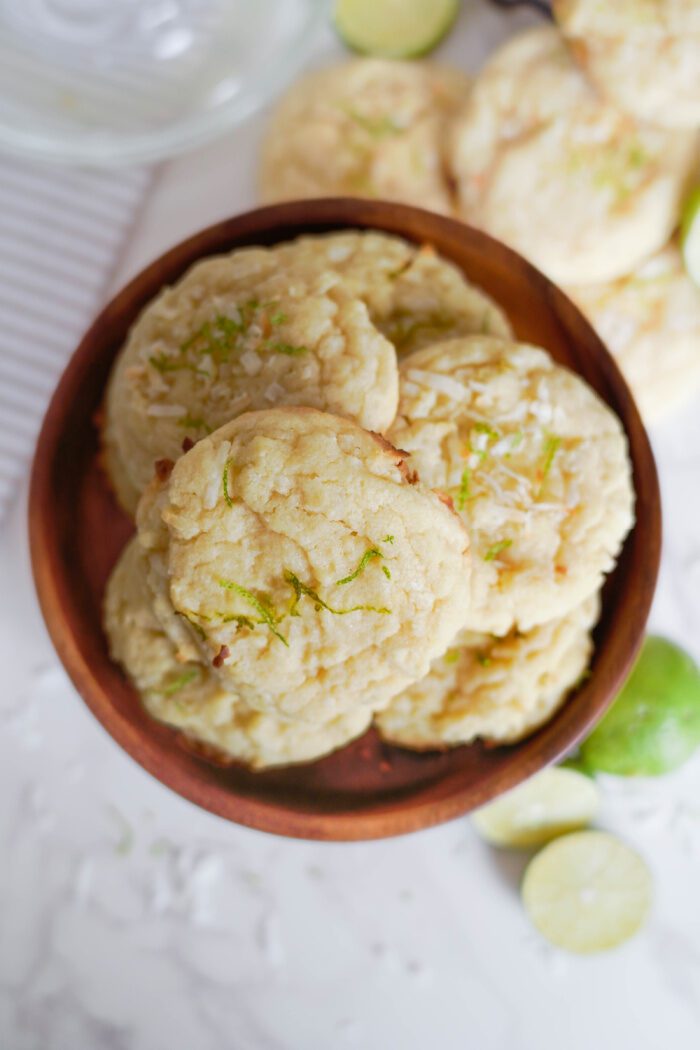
x: 551, y: 448
x: 516, y: 441
x: 366, y: 558
x: 302, y: 589
x: 224, y: 480
x: 637, y: 155
x: 193, y: 623
x: 451, y: 656
x: 216, y: 338
x: 492, y: 435
x: 496, y: 549
x: 486, y: 428
x: 378, y: 127
x: 265, y: 612
x: 180, y: 682
x: 690, y: 235
x: 163, y: 363
x: 242, y: 621
x: 386, y: 571
x: 388, y: 538
x: 464, y: 493
x: 483, y: 659
x: 278, y: 318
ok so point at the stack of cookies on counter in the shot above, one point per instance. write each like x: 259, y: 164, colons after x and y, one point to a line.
x: 576, y: 145
x: 357, y: 499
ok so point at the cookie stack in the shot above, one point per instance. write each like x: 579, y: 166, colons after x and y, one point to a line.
x: 356, y: 498
x: 575, y: 145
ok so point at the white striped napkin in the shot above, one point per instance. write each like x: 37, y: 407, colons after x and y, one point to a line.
x: 61, y: 234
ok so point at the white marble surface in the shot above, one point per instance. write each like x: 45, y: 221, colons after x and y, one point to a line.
x: 130, y: 920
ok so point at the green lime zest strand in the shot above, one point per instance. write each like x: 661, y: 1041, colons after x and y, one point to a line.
x: 451, y: 656
x: 302, y: 589
x: 242, y: 621
x: 464, y: 494
x: 550, y: 450
x: 216, y: 338
x: 388, y: 538
x: 278, y: 318
x: 637, y: 155
x: 483, y: 659
x: 366, y: 558
x: 193, y: 623
x: 386, y: 571
x: 180, y: 682
x: 377, y: 127
x: 491, y: 434
x: 265, y: 613
x: 163, y: 363
x: 496, y: 549
x: 224, y: 480
x: 485, y: 428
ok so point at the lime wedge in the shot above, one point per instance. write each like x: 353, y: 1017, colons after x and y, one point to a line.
x: 654, y: 724
x: 394, y: 28
x: 587, y: 892
x: 690, y: 235
x: 547, y: 805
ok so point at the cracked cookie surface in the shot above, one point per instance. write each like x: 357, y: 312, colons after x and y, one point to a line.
x: 301, y: 557
x: 535, y: 463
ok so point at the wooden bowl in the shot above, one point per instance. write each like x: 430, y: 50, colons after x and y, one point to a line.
x: 368, y: 790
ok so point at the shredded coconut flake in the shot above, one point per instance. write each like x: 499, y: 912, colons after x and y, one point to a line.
x: 441, y: 383
x: 166, y: 410
x: 250, y: 363
x: 339, y: 252
x: 239, y: 403
x: 541, y: 411
x: 502, y: 446
x: 273, y: 392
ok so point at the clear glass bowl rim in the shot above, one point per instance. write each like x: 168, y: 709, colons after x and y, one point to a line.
x: 105, y: 149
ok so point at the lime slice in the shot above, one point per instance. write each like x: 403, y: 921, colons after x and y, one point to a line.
x: 654, y: 724
x: 587, y: 892
x: 690, y: 235
x: 547, y: 805
x: 394, y: 28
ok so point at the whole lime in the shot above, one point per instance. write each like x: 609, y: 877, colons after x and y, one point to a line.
x: 654, y: 724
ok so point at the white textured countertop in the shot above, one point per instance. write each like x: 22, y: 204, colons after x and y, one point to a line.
x: 130, y: 920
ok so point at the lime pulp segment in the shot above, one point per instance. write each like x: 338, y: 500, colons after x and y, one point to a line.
x: 587, y: 892
x: 549, y: 804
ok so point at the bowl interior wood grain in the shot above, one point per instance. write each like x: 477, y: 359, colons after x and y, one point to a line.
x: 368, y: 790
